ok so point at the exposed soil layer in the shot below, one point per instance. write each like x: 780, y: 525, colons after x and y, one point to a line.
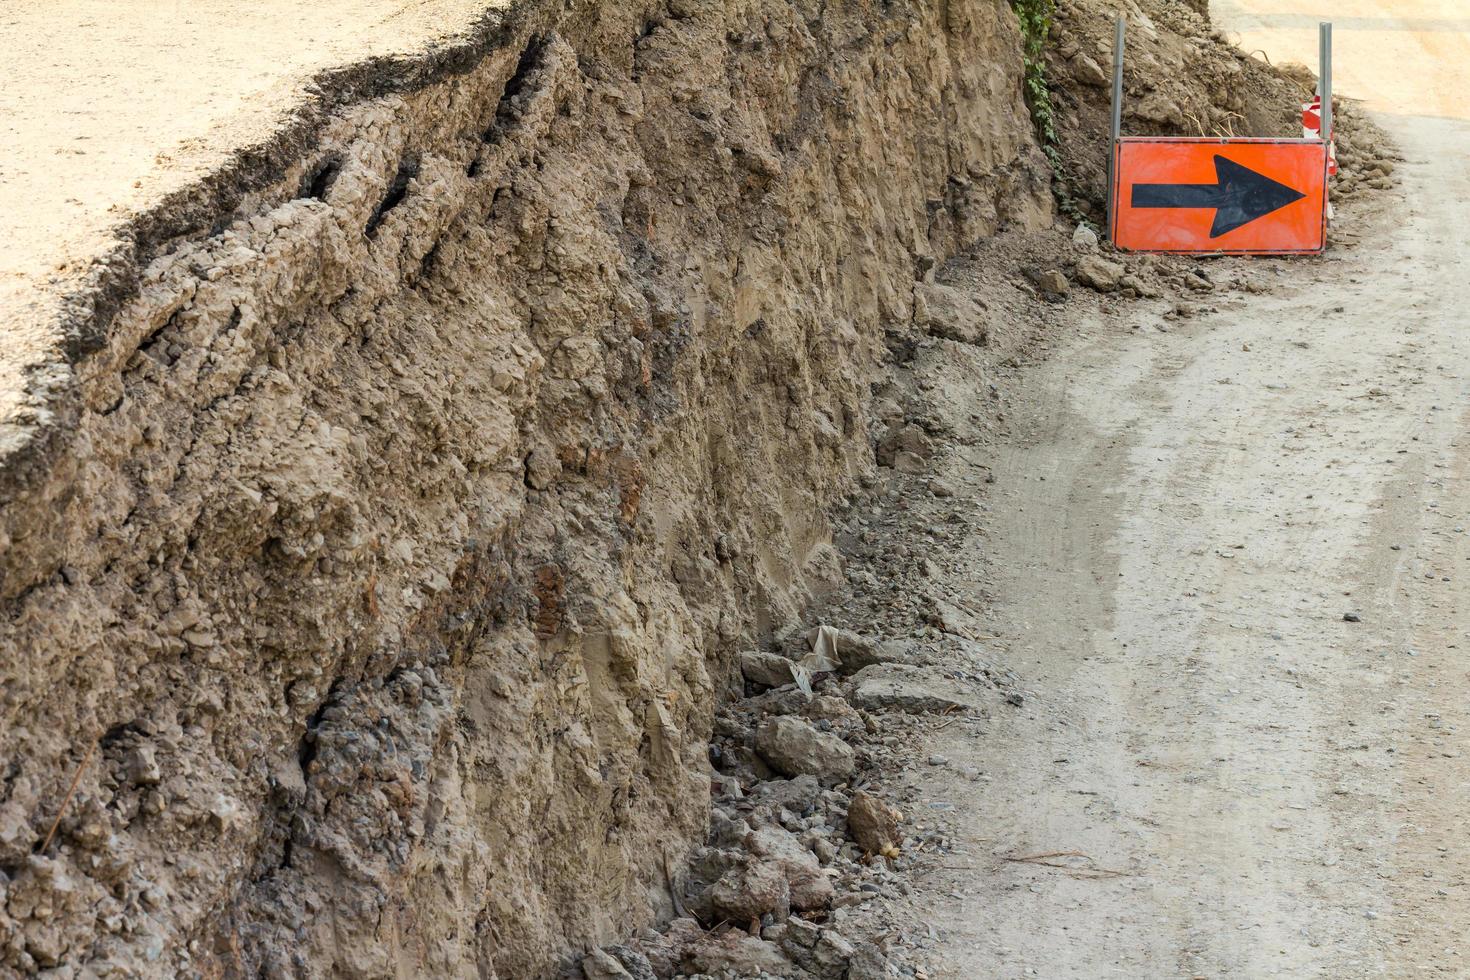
x: 379, y: 562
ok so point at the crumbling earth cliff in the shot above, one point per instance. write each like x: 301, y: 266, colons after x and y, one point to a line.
x: 380, y: 533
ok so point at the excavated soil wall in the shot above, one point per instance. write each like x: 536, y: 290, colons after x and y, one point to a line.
x: 376, y: 566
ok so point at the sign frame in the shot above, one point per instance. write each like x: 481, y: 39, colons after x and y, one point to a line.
x: 1115, y: 180
x: 1115, y: 193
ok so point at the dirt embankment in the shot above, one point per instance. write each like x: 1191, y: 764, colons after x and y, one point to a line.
x: 377, y: 555
x: 375, y: 559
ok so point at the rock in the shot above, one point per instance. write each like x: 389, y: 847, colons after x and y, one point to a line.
x: 728, y: 831
x: 1088, y: 72
x: 1099, y: 273
x: 830, y: 956
x: 1085, y: 239
x: 739, y: 955
x: 941, y: 488
x: 666, y: 952
x: 224, y: 812
x: 824, y: 953
x: 1052, y: 283
x: 873, y: 824
x: 800, y: 938
x: 16, y: 834
x: 543, y: 468
x: 750, y: 892
x: 1138, y: 286
x: 834, y: 710
x: 787, y: 700
x: 855, y: 651
x: 950, y: 313
x: 908, y: 439
x: 901, y: 687
x: 1197, y: 283
x: 633, y: 962
x: 868, y: 963
x: 808, y: 884
x: 798, y: 795
x: 1156, y: 107
x: 794, y: 748
x: 909, y: 463
x: 601, y: 965
x: 770, y: 669
x: 142, y: 766
x: 706, y: 865
x: 1351, y: 617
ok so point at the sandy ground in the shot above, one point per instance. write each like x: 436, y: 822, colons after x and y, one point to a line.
x: 1180, y: 523
x: 106, y: 107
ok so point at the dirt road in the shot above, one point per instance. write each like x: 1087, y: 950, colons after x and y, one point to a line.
x: 1181, y: 522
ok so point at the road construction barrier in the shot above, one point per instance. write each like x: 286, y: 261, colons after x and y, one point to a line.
x: 1232, y: 196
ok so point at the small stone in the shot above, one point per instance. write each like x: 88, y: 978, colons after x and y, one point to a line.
x: 950, y: 313
x: 1085, y: 238
x: 634, y: 961
x: 770, y: 669
x: 543, y: 468
x: 868, y: 963
x: 1098, y: 273
x: 142, y: 766
x: 1053, y: 284
x: 601, y: 965
x: 873, y: 824
x: 810, y: 888
x: 748, y: 893
x: 1351, y: 617
x: 726, y: 830
x: 909, y: 439
x: 1087, y: 71
x: 1138, y: 286
x: 798, y: 795
x: 830, y: 956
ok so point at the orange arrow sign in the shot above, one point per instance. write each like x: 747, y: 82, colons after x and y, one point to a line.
x: 1237, y: 196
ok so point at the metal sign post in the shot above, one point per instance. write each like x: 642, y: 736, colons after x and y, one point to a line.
x: 1324, y: 77
x: 1120, y: 30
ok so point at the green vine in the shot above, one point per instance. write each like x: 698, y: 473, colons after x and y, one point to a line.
x: 1036, y: 18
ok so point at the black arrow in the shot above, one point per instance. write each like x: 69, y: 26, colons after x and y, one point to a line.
x: 1239, y: 196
